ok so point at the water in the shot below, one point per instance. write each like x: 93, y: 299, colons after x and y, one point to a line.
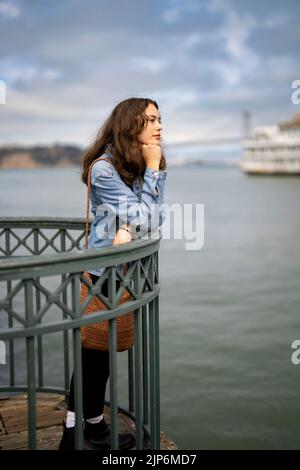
x: 228, y: 312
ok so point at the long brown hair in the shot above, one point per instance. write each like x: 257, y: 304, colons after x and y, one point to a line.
x: 120, y: 132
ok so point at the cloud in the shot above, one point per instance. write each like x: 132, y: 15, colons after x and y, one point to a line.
x: 152, y: 65
x: 234, y: 33
x: 276, y: 20
x: 202, y: 61
x: 9, y: 10
x: 192, y: 39
x: 18, y: 72
x: 176, y: 98
x: 176, y: 9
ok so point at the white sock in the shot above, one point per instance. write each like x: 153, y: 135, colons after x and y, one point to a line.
x: 70, y: 423
x: 95, y: 420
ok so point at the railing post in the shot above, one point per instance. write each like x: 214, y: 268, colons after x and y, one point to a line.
x: 113, y: 381
x: 113, y: 365
x: 11, y: 341
x: 157, y: 371
x: 138, y: 385
x: 64, y: 315
x: 30, y: 356
x: 130, y: 381
x: 138, y: 362
x: 145, y: 366
x: 10, y: 319
x: 157, y: 355
x: 38, y: 306
x: 77, y: 364
x: 152, y: 376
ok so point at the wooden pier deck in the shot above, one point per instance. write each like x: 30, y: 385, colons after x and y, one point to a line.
x: 51, y: 410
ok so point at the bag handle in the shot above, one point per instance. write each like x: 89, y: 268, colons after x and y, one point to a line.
x: 88, y: 199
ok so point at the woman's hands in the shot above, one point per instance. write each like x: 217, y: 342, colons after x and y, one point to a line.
x: 122, y: 236
x: 152, y: 155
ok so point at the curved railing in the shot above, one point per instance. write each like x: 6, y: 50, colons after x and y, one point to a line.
x: 41, y: 266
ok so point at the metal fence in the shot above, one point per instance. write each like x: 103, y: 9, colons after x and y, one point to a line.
x: 41, y: 267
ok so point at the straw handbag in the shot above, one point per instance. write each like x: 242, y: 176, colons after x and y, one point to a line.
x: 96, y: 336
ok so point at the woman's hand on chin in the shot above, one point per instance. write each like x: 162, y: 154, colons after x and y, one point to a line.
x: 122, y: 236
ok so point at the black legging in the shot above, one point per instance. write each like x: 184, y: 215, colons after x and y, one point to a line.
x: 95, y: 373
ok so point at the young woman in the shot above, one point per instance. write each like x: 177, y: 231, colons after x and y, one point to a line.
x: 135, y: 173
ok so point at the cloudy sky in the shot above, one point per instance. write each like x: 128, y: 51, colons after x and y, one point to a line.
x: 67, y: 63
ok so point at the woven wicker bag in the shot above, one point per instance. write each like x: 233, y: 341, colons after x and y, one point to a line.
x: 96, y: 336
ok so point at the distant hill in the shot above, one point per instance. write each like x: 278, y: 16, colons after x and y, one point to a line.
x: 39, y: 156
x: 69, y: 155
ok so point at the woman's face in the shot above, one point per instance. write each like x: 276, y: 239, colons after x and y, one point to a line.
x: 152, y: 130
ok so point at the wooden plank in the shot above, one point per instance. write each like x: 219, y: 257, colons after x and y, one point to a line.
x: 47, y: 439
x: 51, y: 409
x: 15, y: 419
x: 43, y: 399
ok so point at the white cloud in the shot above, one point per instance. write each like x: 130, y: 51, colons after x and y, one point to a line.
x: 171, y: 15
x: 192, y: 39
x: 14, y: 70
x: 176, y: 8
x: 150, y: 65
x: 281, y: 69
x: 233, y: 34
x: 275, y: 21
x: 176, y: 98
x: 235, y: 30
x: 39, y: 106
x: 229, y: 72
x: 9, y: 10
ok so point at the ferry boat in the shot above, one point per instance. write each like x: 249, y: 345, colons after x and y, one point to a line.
x: 273, y: 149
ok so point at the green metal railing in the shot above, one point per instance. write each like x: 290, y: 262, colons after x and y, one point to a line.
x: 37, y: 253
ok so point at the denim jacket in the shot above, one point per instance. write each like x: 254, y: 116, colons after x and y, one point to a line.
x: 114, y: 203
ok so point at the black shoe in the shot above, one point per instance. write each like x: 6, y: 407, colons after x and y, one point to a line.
x: 68, y: 439
x: 97, y: 436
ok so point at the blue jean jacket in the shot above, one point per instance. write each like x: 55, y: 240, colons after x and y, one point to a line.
x: 113, y: 204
